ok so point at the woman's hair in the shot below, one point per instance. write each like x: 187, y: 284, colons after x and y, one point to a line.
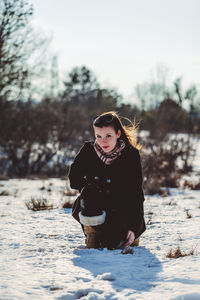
x: 128, y: 132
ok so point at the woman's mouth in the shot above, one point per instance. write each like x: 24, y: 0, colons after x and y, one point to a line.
x: 105, y: 147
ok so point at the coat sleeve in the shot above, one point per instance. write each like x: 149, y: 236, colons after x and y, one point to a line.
x: 134, y: 195
x: 77, y: 169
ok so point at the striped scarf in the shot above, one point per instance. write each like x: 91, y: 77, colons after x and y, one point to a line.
x: 109, y: 157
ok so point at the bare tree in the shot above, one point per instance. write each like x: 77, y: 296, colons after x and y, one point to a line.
x: 14, y: 16
x: 152, y: 92
x: 18, y: 49
x: 21, y: 59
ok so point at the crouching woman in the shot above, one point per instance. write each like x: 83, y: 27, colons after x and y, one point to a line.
x: 108, y: 174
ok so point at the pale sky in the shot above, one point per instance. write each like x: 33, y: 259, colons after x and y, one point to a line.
x: 122, y: 41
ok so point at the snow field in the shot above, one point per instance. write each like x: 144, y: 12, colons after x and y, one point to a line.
x: 42, y: 254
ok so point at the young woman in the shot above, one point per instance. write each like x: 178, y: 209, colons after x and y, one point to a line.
x: 107, y: 172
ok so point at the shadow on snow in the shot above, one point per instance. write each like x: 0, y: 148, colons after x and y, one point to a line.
x: 138, y: 271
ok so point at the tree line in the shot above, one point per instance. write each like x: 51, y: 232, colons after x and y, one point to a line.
x: 43, y: 136
x: 34, y: 133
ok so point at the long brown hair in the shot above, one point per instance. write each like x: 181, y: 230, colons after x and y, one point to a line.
x: 128, y: 132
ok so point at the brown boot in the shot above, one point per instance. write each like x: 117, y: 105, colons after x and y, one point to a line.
x: 136, y: 242
x: 92, y: 237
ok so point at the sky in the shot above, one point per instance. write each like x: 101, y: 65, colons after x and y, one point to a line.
x: 123, y: 41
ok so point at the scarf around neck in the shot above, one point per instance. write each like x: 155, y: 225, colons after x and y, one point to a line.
x: 109, y: 157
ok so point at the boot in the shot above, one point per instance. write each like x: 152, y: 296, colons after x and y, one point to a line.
x: 92, y: 237
x: 136, y: 242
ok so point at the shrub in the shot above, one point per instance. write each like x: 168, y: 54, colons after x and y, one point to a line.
x: 178, y: 253
x: 192, y: 185
x: 2, y: 177
x: 164, y: 162
x: 4, y: 193
x: 37, y: 203
x: 69, y: 193
x: 68, y: 204
x: 165, y: 192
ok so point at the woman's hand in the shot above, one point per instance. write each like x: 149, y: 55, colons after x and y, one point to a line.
x: 130, y: 238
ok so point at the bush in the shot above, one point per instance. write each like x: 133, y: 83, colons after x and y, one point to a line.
x: 176, y: 253
x: 4, y: 193
x: 68, y: 204
x: 70, y: 193
x: 168, y: 117
x: 37, y: 204
x: 165, y: 161
x: 192, y: 185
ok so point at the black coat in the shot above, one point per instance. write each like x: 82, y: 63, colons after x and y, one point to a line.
x: 122, y: 179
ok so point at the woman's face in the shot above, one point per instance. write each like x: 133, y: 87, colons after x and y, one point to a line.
x: 106, y: 137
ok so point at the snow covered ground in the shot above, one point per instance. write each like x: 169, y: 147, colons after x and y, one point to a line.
x: 42, y: 254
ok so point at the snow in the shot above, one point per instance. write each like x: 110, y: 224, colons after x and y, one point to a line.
x: 42, y: 254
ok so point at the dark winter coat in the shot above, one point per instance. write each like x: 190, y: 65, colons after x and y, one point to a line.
x: 122, y: 184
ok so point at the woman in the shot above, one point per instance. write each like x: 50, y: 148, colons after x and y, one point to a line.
x: 107, y: 172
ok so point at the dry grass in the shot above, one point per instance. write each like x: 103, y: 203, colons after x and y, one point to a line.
x: 63, y: 177
x: 150, y: 214
x: 191, y: 185
x: 37, y: 176
x: 7, y: 193
x: 69, y: 193
x: 68, y: 204
x: 16, y: 193
x: 176, y: 253
x: 4, y: 193
x: 148, y: 222
x: 171, y: 203
x: 164, y: 192
x: 42, y: 188
x: 2, y: 177
x: 37, y: 204
x: 47, y: 188
x: 55, y: 288
x: 152, y: 186
x: 3, y: 215
x: 127, y: 250
x: 180, y: 238
x: 188, y: 215
x: 43, y: 235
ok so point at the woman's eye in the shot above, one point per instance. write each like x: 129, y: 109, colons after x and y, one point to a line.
x: 108, y: 136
